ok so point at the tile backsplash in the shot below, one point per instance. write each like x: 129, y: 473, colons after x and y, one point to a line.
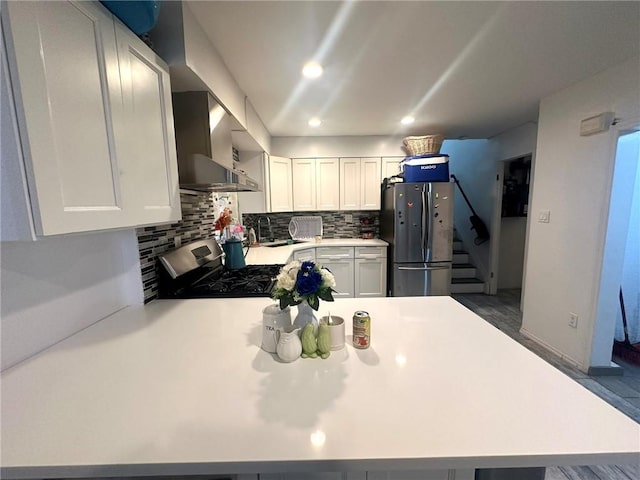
x: 199, y: 213
x: 198, y: 219
x: 334, y: 224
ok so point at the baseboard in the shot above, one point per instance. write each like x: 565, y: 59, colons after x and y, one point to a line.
x: 573, y: 362
x: 613, y: 370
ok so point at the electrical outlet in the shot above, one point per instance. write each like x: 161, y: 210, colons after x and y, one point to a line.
x: 348, y: 218
x: 177, y: 242
x: 573, y: 320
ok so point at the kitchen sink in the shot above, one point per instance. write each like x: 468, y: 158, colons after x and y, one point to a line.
x: 281, y: 243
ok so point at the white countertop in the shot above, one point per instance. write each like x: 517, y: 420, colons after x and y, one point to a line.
x: 181, y: 386
x: 274, y: 255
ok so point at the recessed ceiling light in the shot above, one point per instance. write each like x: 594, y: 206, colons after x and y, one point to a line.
x: 407, y: 120
x: 315, y: 122
x: 312, y: 70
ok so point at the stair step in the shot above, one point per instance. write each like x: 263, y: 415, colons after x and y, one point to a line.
x: 460, y: 256
x: 463, y: 270
x: 457, y: 245
x: 467, y: 285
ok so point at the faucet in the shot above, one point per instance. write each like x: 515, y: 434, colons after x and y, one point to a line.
x: 260, y: 237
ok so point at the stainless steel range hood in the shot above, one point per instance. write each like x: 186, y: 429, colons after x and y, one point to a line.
x: 203, y: 142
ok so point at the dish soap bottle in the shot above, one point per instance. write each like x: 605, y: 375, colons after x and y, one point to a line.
x: 252, y: 237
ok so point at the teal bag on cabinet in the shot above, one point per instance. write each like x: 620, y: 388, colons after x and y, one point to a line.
x: 139, y: 15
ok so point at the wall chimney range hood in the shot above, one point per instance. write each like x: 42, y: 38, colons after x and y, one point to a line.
x: 203, y: 143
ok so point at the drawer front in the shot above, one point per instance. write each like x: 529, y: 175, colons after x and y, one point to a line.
x: 334, y: 252
x: 308, y: 254
x: 371, y: 252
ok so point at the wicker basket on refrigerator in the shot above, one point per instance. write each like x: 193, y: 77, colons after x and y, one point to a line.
x: 422, y: 145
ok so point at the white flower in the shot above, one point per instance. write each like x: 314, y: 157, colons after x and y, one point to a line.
x: 284, y: 280
x: 328, y: 280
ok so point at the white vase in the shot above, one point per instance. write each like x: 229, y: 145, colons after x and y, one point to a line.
x: 289, y: 346
x: 305, y: 315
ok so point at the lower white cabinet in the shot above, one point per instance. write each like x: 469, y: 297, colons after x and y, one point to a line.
x: 343, y: 272
x: 306, y: 255
x: 464, y: 474
x: 315, y: 476
x: 370, y: 277
x: 359, y: 271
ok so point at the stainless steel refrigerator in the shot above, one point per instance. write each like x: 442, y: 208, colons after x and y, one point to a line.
x: 417, y: 222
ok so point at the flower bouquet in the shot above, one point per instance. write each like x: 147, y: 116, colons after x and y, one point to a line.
x: 303, y: 282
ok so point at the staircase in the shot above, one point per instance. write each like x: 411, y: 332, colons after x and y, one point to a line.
x: 464, y: 275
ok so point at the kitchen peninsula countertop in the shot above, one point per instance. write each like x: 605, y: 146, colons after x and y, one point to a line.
x: 181, y: 387
x: 273, y: 255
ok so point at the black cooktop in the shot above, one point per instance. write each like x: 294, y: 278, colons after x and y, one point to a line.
x: 250, y: 281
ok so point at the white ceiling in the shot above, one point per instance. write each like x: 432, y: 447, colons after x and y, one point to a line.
x: 466, y: 69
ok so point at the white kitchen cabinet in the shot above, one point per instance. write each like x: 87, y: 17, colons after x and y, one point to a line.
x: 413, y: 475
x: 315, y: 476
x: 360, y: 183
x: 370, y: 271
x: 306, y: 255
x: 149, y: 170
x: 370, y: 183
x: 390, y: 167
x: 350, y: 184
x: 339, y: 260
x: 304, y: 184
x: 327, y: 184
x: 280, y: 184
x: 78, y: 106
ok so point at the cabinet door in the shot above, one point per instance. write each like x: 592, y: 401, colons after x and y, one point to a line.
x: 145, y: 139
x: 370, y: 184
x: 304, y: 184
x: 390, y: 167
x: 343, y: 272
x: 66, y: 81
x: 370, y: 277
x: 280, y: 184
x: 349, y: 184
x: 328, y: 184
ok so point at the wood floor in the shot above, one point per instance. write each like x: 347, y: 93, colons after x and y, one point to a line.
x: 623, y: 392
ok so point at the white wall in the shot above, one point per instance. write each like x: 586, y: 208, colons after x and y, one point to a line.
x: 573, y: 177
x: 317, y: 147
x: 57, y: 286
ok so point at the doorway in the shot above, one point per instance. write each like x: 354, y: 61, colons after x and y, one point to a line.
x: 509, y: 225
x: 621, y: 258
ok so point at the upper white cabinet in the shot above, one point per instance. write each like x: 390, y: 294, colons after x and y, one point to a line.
x: 360, y: 183
x: 327, y: 184
x: 316, y: 184
x: 350, y: 184
x: 370, y: 183
x: 304, y: 184
x: 390, y: 167
x: 149, y: 171
x: 93, y: 112
x: 280, y: 184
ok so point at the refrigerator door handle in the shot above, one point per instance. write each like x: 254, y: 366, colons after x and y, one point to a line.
x: 429, y: 223
x: 440, y: 267
x: 423, y: 232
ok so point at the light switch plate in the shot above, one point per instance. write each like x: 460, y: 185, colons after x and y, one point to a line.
x: 543, y: 216
x: 348, y: 218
